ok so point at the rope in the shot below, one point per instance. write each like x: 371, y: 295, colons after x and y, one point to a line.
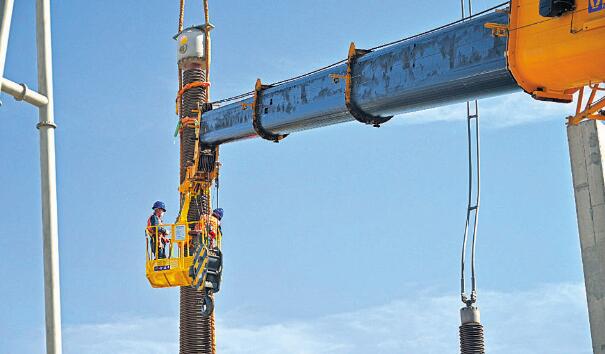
x: 207, y: 47
x: 189, y: 86
x: 181, y: 16
x: 181, y: 19
x: 216, y: 184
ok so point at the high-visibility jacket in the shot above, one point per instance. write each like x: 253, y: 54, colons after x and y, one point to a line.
x: 153, y: 228
x: 212, y: 225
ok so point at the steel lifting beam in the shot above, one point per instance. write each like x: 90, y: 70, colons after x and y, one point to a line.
x: 458, y: 63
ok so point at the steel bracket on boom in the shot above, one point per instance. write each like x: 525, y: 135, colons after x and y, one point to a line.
x: 498, y: 29
x: 256, y: 112
x: 594, y: 110
x: 353, y: 108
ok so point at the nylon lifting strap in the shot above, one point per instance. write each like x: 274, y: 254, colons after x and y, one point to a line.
x: 354, y: 109
x: 256, y: 113
x: 188, y: 87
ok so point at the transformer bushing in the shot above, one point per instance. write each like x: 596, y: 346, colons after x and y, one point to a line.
x: 196, y: 335
x: 471, y: 331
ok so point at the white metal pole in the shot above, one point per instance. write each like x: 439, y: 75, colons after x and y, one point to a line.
x: 5, y: 26
x: 46, y: 126
x: 22, y: 93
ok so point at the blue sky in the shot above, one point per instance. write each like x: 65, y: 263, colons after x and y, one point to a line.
x: 338, y: 240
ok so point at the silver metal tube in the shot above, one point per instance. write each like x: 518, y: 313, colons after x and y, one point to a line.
x: 22, y: 92
x: 46, y: 126
x: 5, y: 26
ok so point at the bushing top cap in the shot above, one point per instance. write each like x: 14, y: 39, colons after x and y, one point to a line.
x: 191, y: 42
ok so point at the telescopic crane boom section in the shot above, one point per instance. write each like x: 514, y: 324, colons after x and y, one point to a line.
x: 500, y: 51
x: 453, y: 64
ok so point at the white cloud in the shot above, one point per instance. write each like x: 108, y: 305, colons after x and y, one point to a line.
x: 549, y: 319
x: 133, y: 336
x: 497, y: 112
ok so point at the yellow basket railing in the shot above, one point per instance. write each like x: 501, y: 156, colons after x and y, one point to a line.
x: 170, y: 249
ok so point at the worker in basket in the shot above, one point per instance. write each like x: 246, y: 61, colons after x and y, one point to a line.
x: 214, y: 227
x: 156, y: 232
x: 209, y: 225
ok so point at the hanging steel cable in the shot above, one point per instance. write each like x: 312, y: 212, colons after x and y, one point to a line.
x: 180, y: 28
x: 472, y: 210
x: 471, y: 330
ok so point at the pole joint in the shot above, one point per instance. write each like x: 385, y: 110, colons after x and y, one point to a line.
x: 46, y: 124
x: 23, y: 94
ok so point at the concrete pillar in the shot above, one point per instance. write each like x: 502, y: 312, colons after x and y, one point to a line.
x: 586, y: 150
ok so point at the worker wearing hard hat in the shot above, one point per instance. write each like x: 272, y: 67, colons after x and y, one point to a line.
x: 155, y: 231
x: 214, y: 226
x: 207, y: 231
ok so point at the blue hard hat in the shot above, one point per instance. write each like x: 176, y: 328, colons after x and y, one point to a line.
x: 218, y: 212
x: 159, y: 205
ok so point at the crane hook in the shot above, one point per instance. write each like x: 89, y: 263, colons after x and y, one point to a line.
x: 207, y: 304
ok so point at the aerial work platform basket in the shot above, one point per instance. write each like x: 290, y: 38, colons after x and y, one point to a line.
x: 170, y: 251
